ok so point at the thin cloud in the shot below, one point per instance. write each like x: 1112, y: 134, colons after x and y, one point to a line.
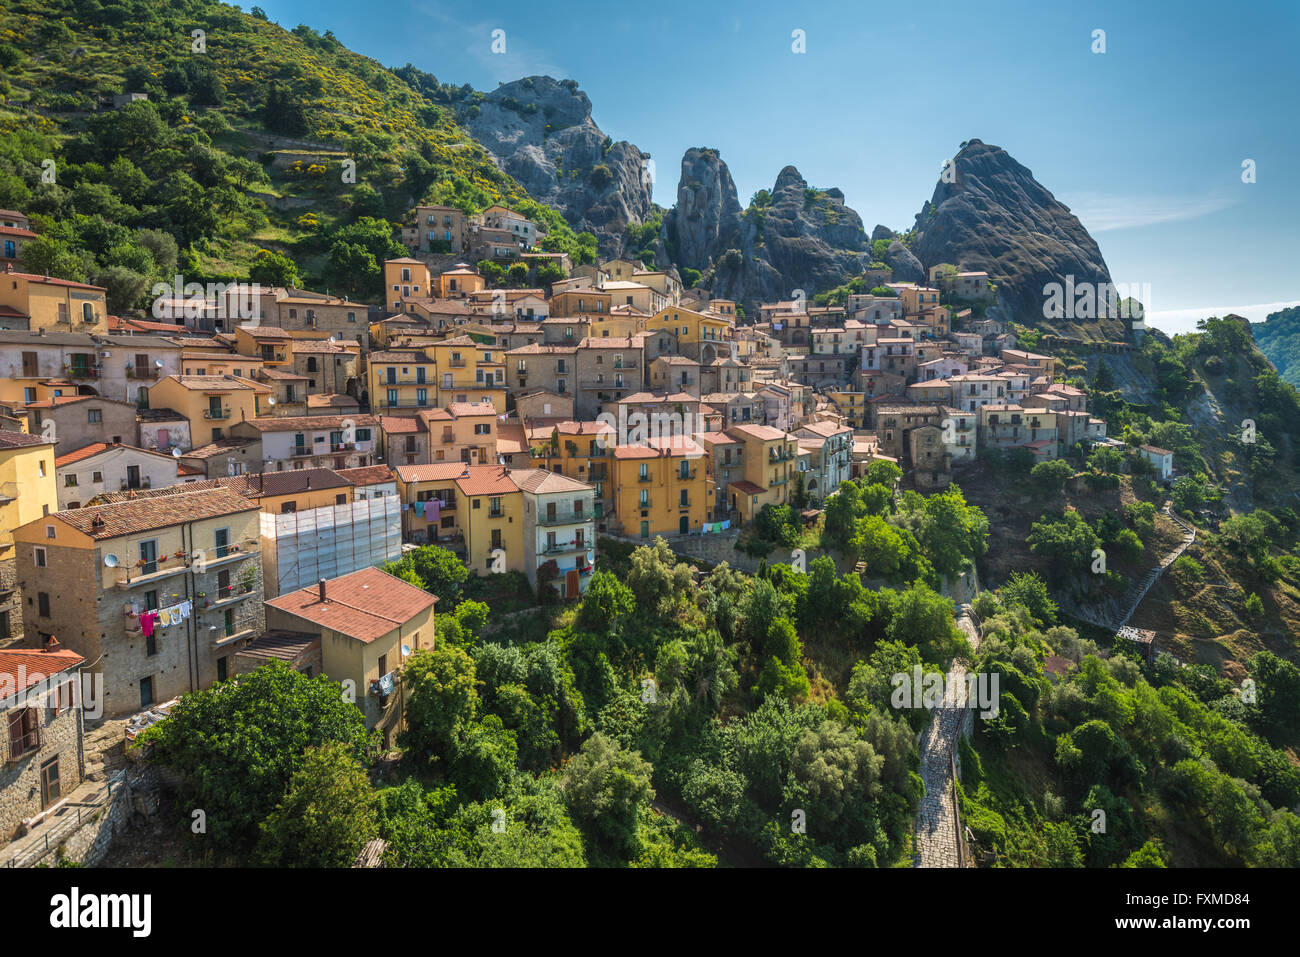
x: 520, y: 58
x: 1102, y: 213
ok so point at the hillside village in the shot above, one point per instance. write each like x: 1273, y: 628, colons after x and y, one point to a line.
x: 191, y: 494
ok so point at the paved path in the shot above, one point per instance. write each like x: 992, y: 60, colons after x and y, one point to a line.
x: 936, y: 819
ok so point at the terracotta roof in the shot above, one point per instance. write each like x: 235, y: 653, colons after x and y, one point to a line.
x: 95, y: 448
x: 1156, y: 451
x: 541, y: 481
x: 400, y: 424
x: 320, y: 346
x: 29, y: 667
x: 296, y: 423
x: 487, y: 480
x: 364, y: 605
x: 295, y: 482
x: 160, y: 511
x: 217, y: 447
x: 763, y: 432
x: 10, y: 439
x: 746, y: 488
x: 368, y: 475
x: 471, y: 408
x: 666, y: 446
x: 433, y: 472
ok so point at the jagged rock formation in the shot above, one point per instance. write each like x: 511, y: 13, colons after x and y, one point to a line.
x: 540, y: 131
x: 803, y: 239
x: 882, y: 232
x: 906, y: 267
x: 995, y: 216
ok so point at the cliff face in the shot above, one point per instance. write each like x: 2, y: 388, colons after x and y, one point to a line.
x: 996, y: 217
x: 540, y: 131
x: 801, y: 239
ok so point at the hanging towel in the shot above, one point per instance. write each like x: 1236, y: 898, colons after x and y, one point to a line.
x: 435, y: 510
x: 419, y: 509
x: 146, y: 623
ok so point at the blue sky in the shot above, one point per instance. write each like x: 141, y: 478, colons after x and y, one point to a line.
x: 1145, y: 142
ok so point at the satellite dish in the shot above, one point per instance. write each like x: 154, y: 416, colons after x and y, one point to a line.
x: 406, y: 650
x: 176, y: 452
x: 158, y: 363
x: 110, y: 560
x: 270, y: 400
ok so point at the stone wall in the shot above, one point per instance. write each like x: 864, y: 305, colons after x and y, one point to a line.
x: 11, y: 631
x: 721, y: 547
x: 20, y: 780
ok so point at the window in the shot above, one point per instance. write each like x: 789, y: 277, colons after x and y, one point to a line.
x: 222, y: 542
x: 70, y: 480
x: 229, y: 622
x: 43, y: 604
x: 222, y: 667
x: 24, y: 732
x: 38, y: 556
x: 151, y: 645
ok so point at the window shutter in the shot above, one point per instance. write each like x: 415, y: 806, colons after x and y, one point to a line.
x: 15, y: 735
x: 31, y: 729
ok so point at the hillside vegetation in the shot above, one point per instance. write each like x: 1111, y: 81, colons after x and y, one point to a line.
x: 242, y: 154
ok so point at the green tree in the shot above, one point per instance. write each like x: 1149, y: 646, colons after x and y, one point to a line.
x: 606, y: 602
x: 605, y: 786
x: 441, y: 699
x: 237, y: 744
x: 327, y: 815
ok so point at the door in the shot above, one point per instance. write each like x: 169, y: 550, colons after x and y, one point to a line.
x: 146, y: 692
x: 645, y: 529
x: 571, y: 583
x: 684, y: 525
x: 29, y: 364
x: 133, y: 476
x: 50, y: 790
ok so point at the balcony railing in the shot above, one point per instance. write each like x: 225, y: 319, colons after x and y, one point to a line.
x: 562, y: 548
x: 564, y: 518
x: 299, y: 450
x: 216, y: 413
x: 81, y: 372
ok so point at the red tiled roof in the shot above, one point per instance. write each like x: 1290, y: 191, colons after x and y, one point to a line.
x: 20, y: 668
x: 145, y: 513
x: 746, y: 488
x: 9, y: 439
x: 487, y: 480
x: 368, y: 474
x: 364, y: 605
x: 433, y: 472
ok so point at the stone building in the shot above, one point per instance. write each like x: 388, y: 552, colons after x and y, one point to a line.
x: 157, y: 592
x: 40, y: 732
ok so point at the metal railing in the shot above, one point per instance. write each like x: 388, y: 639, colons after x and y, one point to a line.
x: 53, y: 836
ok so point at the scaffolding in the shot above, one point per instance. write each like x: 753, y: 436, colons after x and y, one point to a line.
x: 300, y: 548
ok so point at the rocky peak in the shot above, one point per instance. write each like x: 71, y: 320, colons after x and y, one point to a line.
x: 993, y: 215
x: 540, y: 131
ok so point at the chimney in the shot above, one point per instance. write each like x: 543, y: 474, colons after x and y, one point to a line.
x: 51, y: 645
x: 321, y: 586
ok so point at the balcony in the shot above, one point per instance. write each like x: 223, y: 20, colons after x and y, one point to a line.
x: 216, y: 414
x: 564, y: 518
x: 456, y: 363
x: 342, y: 446
x: 81, y: 372
x: 300, y: 450
x: 564, y: 548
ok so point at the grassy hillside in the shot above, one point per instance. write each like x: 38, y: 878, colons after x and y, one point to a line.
x: 245, y: 145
